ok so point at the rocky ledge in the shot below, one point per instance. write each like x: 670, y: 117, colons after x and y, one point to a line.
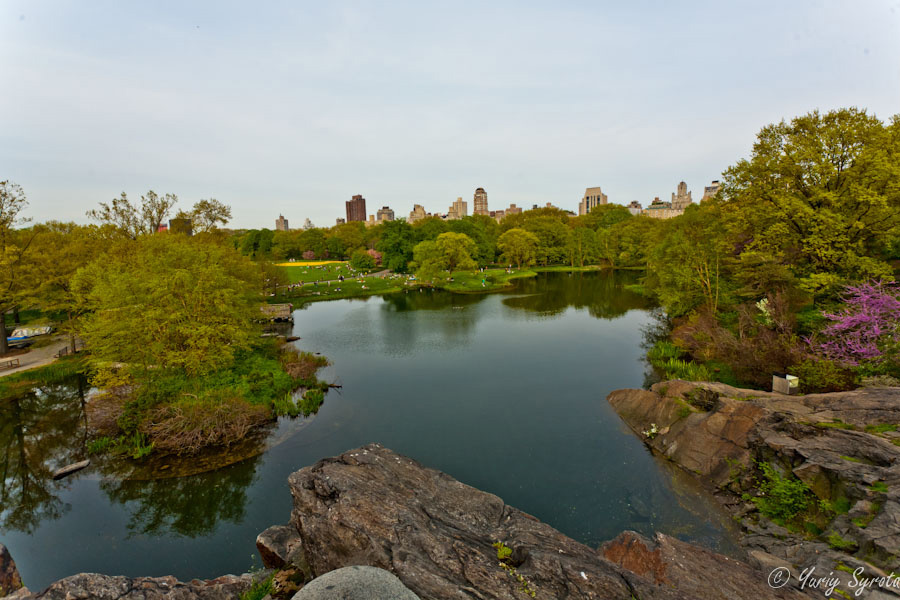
x: 842, y: 445
x: 443, y: 539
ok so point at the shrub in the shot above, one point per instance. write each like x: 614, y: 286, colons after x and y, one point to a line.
x: 865, y: 333
x: 781, y: 498
x: 220, y: 417
x: 362, y: 261
x: 817, y: 375
x: 311, y: 401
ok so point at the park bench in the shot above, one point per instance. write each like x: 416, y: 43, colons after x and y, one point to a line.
x: 9, y: 363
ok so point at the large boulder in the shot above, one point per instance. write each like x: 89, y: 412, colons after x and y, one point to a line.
x: 356, y: 583
x: 9, y: 574
x: 373, y: 507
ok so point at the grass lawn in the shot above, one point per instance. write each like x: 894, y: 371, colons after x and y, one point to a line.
x: 307, y: 273
x: 349, y: 288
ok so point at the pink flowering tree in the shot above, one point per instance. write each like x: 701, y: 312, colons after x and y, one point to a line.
x: 866, y: 333
x: 309, y: 255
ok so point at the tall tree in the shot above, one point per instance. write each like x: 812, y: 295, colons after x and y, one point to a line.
x: 14, y: 244
x: 449, y: 252
x: 208, y: 214
x: 168, y: 302
x: 820, y: 194
x: 133, y: 220
x: 518, y: 246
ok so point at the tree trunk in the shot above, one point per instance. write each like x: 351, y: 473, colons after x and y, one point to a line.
x: 71, y: 335
x: 4, y: 346
x: 16, y: 315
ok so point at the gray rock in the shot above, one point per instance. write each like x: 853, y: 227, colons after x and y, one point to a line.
x: 822, y: 439
x: 10, y: 581
x: 276, y: 544
x: 356, y: 583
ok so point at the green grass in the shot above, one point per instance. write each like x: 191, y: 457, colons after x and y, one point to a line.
x: 259, y: 589
x: 836, y: 424
x: 839, y: 543
x: 309, y: 274
x: 349, y: 288
x: 56, y: 372
x: 881, y: 428
x: 879, y: 486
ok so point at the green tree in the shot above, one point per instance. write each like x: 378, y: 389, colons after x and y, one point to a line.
x: 518, y: 246
x: 396, y: 245
x: 14, y: 245
x: 581, y: 246
x: 362, y: 261
x: 449, y: 252
x: 60, y: 249
x: 168, y: 302
x: 551, y: 233
x: 206, y: 215
x: 133, y: 220
x: 819, y: 194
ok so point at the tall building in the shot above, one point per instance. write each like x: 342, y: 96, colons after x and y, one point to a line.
x: 682, y: 198
x: 592, y: 197
x: 339, y: 221
x: 634, y: 207
x: 281, y: 224
x: 356, y: 209
x: 417, y: 214
x: 513, y: 210
x: 384, y: 213
x: 458, y: 210
x: 710, y: 191
x: 307, y: 224
x: 480, y: 206
x: 661, y: 210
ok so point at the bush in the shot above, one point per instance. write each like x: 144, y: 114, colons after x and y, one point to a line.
x: 362, y: 261
x: 220, y: 417
x: 817, y: 375
x: 781, y: 498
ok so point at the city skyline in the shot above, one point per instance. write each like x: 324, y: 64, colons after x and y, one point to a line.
x: 280, y: 108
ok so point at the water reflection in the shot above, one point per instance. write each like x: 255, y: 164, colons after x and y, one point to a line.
x: 46, y: 428
x: 603, y: 294
x: 40, y: 431
x: 188, y: 506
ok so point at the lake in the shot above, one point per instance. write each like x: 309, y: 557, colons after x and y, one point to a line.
x: 505, y: 392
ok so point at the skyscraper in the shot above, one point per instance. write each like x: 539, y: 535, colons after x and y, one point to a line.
x: 682, y: 198
x: 281, y: 224
x: 384, y: 213
x: 458, y: 210
x: 356, y: 209
x: 480, y: 204
x: 592, y: 197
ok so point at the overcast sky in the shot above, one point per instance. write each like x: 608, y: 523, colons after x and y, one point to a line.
x: 294, y: 107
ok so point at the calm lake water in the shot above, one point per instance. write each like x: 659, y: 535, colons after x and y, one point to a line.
x: 505, y: 392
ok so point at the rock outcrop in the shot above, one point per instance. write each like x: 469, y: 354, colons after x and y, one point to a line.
x: 105, y: 587
x: 842, y: 445
x: 441, y: 539
x: 9, y: 574
x: 371, y: 506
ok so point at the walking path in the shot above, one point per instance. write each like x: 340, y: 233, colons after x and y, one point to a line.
x: 37, y: 357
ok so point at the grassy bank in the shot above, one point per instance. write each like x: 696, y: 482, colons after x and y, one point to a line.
x: 57, y: 372
x: 176, y: 414
x: 491, y: 280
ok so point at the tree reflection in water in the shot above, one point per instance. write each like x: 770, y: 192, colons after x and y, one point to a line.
x: 40, y: 430
x: 45, y: 428
x: 602, y: 293
x: 190, y: 506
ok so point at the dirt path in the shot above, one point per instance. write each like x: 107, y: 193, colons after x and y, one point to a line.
x: 37, y: 357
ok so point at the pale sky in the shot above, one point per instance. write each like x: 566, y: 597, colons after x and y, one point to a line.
x: 289, y: 107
